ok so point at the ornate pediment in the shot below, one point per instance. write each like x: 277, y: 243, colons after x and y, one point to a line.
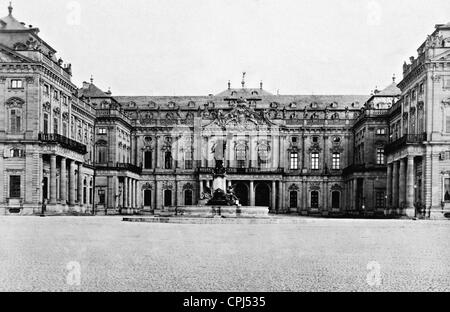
x: 241, y: 116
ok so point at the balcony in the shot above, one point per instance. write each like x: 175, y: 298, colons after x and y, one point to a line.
x: 119, y: 167
x: 230, y: 170
x: 63, y: 141
x: 407, y: 139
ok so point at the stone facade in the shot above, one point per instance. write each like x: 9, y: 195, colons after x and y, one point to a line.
x: 84, y: 150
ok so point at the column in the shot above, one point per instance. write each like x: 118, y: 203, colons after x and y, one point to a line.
x: 125, y: 193
x: 325, y: 195
x: 355, y: 194
x: 402, y: 185
x: 395, y: 186
x: 156, y: 196
x: 52, y: 179
x: 201, y: 187
x: 389, y: 188
x: 72, y: 183
x: 88, y: 193
x: 252, y: 193
x: 280, y: 191
x: 63, y: 181
x: 157, y: 152
x: 410, y: 210
x: 274, y: 195
x: 128, y: 193
x: 80, y: 185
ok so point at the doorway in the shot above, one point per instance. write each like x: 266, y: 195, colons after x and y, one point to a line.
x: 241, y: 191
x: 262, y: 195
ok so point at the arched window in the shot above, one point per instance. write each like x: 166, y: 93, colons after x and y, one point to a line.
x: 293, y: 199
x: 15, y: 118
x: 241, y: 155
x: 168, y: 160
x: 167, y: 198
x: 188, y: 197
x: 148, y: 160
x: 336, y: 200
x: 315, y: 199
x: 102, y: 152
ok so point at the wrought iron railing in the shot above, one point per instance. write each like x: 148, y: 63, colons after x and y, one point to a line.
x: 231, y: 170
x: 405, y: 140
x: 63, y: 141
x: 119, y: 166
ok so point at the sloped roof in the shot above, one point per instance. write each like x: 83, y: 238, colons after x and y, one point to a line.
x: 391, y: 90
x: 90, y: 90
x: 243, y: 92
x: 11, y: 23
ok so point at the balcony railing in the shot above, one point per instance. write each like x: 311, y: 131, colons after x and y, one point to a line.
x: 119, y: 166
x: 407, y: 139
x: 230, y: 170
x: 63, y: 141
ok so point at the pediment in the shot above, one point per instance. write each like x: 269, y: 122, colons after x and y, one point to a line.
x: 9, y: 56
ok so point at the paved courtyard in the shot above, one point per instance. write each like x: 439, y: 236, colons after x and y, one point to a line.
x: 106, y: 254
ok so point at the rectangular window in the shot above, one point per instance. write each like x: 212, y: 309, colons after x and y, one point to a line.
x: 447, y: 189
x: 55, y: 125
x: 101, y: 197
x: 293, y: 198
x: 381, y: 131
x: 380, y: 200
x: 148, y: 160
x: 315, y: 161
x: 380, y: 156
x: 421, y: 88
x: 56, y: 95
x: 46, y: 90
x: 15, y: 121
x: 101, y: 131
x: 336, y: 165
x: 16, y: 84
x: 294, y: 160
x: 64, y: 100
x: 14, y: 187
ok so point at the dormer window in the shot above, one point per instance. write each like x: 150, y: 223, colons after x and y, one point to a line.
x: 254, y: 92
x: 16, y: 84
x: 313, y: 105
x: 293, y: 105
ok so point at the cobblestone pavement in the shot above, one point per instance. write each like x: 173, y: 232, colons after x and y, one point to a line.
x: 43, y: 254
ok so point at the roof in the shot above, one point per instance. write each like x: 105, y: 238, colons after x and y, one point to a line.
x: 288, y: 101
x: 243, y: 92
x: 391, y: 90
x: 11, y: 23
x: 89, y: 90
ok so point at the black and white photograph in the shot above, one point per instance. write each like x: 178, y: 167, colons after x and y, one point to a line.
x: 224, y: 146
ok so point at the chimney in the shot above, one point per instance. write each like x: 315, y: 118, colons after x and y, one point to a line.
x: 261, y: 85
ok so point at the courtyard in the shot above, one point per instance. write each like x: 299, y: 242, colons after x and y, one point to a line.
x: 106, y: 254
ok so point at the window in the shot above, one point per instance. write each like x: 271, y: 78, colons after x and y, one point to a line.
x: 168, y: 160
x: 64, y: 98
x: 381, y: 131
x: 148, y: 159
x: 241, y: 155
x: 380, y: 156
x: 167, y: 198
x: 336, y: 161
x: 45, y: 123
x: 315, y: 161
x: 101, y: 154
x: 421, y: 88
x: 55, y: 125
x: 147, y: 198
x: 56, y: 95
x: 15, y: 120
x: 64, y: 129
x: 16, y: 84
x: 447, y: 189
x: 294, y: 160
x: 14, y: 186
x: 315, y: 139
x: 293, y: 199
x: 101, y: 197
x: 294, y: 140
x: 188, y: 197
x: 315, y: 199
x: 379, y: 200
x: 336, y: 200
x: 15, y: 152
x: 101, y: 131
x: 46, y: 90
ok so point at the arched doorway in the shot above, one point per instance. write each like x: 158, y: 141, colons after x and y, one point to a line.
x: 262, y: 195
x: 241, y: 191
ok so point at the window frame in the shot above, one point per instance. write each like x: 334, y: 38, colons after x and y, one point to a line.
x: 15, y: 193
x: 315, y: 161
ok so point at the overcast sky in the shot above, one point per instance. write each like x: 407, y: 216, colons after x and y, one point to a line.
x: 179, y: 47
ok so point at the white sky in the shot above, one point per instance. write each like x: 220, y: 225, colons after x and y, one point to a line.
x: 180, y: 47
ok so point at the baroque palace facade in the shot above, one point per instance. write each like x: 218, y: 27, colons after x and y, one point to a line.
x: 82, y: 150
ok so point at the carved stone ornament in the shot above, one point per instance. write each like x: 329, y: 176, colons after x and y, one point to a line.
x: 15, y: 102
x: 147, y: 186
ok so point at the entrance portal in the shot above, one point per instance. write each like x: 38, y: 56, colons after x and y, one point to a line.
x: 262, y: 195
x: 241, y: 191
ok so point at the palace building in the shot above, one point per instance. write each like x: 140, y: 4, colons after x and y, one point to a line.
x: 66, y: 149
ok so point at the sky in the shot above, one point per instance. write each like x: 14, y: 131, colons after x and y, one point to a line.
x: 179, y: 47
